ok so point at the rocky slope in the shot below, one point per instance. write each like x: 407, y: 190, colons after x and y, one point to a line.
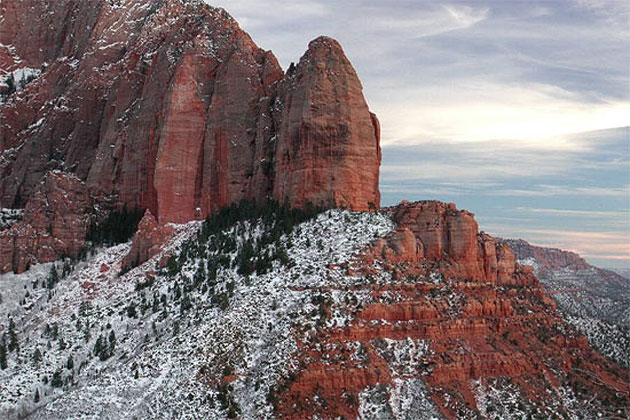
x: 353, y: 315
x: 170, y: 106
x: 579, y: 288
x: 595, y: 300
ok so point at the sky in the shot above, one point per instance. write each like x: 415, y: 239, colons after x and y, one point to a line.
x: 515, y: 110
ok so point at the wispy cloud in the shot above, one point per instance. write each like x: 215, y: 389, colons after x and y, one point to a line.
x: 432, y: 21
x: 576, y: 213
x: 563, y: 190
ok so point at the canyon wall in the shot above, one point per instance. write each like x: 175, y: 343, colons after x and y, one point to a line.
x: 169, y: 106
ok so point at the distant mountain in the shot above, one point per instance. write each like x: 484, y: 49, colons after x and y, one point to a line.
x: 623, y: 272
x: 579, y: 287
x: 595, y: 300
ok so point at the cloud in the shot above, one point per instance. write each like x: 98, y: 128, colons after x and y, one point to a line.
x: 478, y: 111
x: 579, y: 213
x: 593, y: 164
x: 431, y: 21
x: 563, y: 190
x: 614, y: 12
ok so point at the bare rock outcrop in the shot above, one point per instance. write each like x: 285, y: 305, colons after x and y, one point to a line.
x: 452, y: 238
x: 148, y: 240
x: 54, y: 225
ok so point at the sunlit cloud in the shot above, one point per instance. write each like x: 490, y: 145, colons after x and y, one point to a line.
x: 576, y: 213
x: 539, y: 114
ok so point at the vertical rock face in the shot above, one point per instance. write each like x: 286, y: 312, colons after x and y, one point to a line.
x: 180, y: 147
x: 54, y: 225
x: 170, y: 106
x: 328, y: 148
x: 452, y: 238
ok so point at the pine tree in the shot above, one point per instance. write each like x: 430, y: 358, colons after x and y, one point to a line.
x: 98, y: 346
x: 10, y: 82
x: 56, y: 381
x: 3, y: 354
x: 37, y: 355
x: 112, y: 342
x: 131, y: 310
x: 70, y: 363
x: 53, y: 277
x: 14, y: 345
x: 36, y: 399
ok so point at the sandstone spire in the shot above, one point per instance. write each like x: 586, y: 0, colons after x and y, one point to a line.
x: 328, y: 149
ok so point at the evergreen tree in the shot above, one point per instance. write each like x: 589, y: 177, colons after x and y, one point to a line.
x: 11, y: 87
x: 53, y: 277
x: 112, y: 342
x: 131, y: 310
x: 3, y: 354
x: 117, y: 228
x: 14, y: 345
x: 98, y: 346
x: 37, y: 355
x: 70, y: 363
x: 56, y: 381
x: 36, y: 398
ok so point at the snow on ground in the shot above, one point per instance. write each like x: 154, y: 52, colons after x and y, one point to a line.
x: 501, y: 399
x: 179, y: 342
x: 168, y: 352
x: 8, y: 217
x: 19, y: 77
x: 609, y: 339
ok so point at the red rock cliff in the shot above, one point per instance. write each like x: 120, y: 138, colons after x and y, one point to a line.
x: 328, y: 149
x: 451, y: 237
x: 548, y: 258
x: 170, y: 106
x: 54, y: 225
x: 455, y: 313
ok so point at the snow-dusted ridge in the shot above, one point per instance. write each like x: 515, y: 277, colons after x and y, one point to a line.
x: 168, y: 360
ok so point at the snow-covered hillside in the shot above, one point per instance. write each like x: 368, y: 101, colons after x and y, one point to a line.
x: 599, y: 310
x: 197, y: 339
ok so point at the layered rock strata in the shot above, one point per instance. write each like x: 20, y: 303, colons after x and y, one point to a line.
x: 54, y: 224
x: 456, y: 315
